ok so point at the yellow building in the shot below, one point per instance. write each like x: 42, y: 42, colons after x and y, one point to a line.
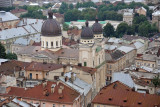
x: 141, y: 11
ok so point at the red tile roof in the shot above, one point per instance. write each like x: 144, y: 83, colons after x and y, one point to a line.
x: 86, y: 69
x: 74, y: 32
x: 37, y: 93
x: 36, y: 44
x: 18, y: 11
x: 38, y: 66
x: 9, y: 67
x: 15, y: 91
x: 68, y: 42
x: 118, y: 94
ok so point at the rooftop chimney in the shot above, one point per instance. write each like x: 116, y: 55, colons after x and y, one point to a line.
x: 72, y: 77
x: 44, y: 84
x: 60, y: 89
x: 52, y: 88
x: 66, y: 79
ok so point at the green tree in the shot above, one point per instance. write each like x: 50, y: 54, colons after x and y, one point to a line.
x: 143, y: 29
x: 156, y: 82
x: 130, y: 30
x: 63, y: 8
x: 108, y: 30
x: 121, y: 29
x: 88, y: 14
x: 11, y: 56
x: 110, y: 15
x: 65, y: 26
x: 2, y: 51
x: 7, y: 9
x: 71, y: 6
x: 54, y: 11
x: 72, y: 15
x: 139, y: 19
x: 46, y: 6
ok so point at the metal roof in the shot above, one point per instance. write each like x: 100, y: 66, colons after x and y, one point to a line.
x: 7, y: 16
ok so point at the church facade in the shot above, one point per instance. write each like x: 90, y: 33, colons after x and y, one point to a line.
x: 90, y: 52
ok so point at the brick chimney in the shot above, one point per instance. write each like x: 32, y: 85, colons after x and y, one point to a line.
x: 44, y: 84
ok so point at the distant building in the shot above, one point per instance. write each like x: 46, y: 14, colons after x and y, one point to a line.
x: 26, y: 28
x: 56, y: 6
x: 6, y: 3
x: 85, y: 89
x: 139, y: 80
x: 141, y: 11
x: 128, y: 17
x: 18, y: 12
x: 8, y: 20
x: 156, y: 18
x: 12, y: 101
x: 117, y: 94
x: 138, y: 41
x: 47, y: 94
x: 149, y: 59
x: 152, y: 1
x: 125, y: 10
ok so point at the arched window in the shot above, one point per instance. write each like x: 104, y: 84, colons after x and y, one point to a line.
x: 57, y: 43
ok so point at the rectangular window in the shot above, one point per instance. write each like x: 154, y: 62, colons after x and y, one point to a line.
x: 63, y: 105
x: 56, y: 43
x: 54, y: 105
x: 44, y: 105
x: 85, y: 63
x: 152, y: 65
x: 110, y: 66
x: 52, y: 44
x: 47, y: 44
x: 30, y: 75
x: 93, y: 63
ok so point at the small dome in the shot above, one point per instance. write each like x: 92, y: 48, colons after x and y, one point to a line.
x: 51, y: 27
x: 97, y: 27
x: 87, y: 32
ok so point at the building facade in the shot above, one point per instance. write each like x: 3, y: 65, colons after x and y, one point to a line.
x: 128, y: 17
x: 6, y: 3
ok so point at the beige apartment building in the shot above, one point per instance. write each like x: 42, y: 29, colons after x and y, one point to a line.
x: 121, y: 58
x: 156, y: 18
x: 128, y: 17
x: 149, y: 59
x: 114, y: 62
x: 141, y: 11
